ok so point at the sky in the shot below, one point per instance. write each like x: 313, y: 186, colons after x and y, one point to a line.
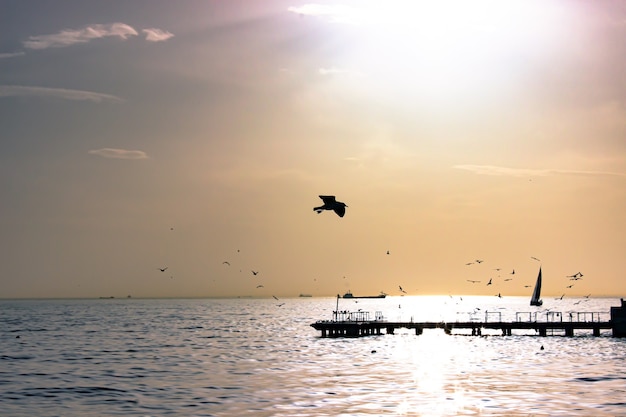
x: 138, y: 135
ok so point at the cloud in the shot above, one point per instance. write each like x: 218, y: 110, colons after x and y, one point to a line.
x: 69, y: 37
x: 62, y: 93
x: 157, y: 35
x: 118, y: 153
x: 525, y: 172
x: 10, y: 54
x: 334, y: 12
x: 332, y: 71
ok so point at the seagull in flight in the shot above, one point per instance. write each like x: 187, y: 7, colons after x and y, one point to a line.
x: 331, y: 204
x: 162, y: 269
x: 532, y: 257
x: 275, y: 298
x: 401, y: 289
x: 226, y: 262
x: 489, y: 283
x: 259, y: 286
x: 255, y: 272
x: 473, y: 281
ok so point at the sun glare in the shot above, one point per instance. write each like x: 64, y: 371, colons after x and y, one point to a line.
x: 442, y: 47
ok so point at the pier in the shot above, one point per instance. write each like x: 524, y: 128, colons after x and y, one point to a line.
x: 359, y: 323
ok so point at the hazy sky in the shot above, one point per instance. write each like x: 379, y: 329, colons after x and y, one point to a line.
x: 136, y: 135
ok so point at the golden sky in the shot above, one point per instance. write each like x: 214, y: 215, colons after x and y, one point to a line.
x: 139, y: 135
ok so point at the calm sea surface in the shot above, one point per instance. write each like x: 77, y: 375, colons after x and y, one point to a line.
x: 252, y: 357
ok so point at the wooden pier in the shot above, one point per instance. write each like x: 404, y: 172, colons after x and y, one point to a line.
x: 358, y: 324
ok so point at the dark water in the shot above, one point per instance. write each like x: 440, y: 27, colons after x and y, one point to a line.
x: 238, y: 357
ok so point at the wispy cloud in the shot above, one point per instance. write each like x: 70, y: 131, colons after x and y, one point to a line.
x: 10, y: 54
x: 334, y: 12
x: 69, y: 37
x: 525, y: 172
x: 115, y: 153
x: 157, y: 35
x: 333, y: 71
x: 61, y: 93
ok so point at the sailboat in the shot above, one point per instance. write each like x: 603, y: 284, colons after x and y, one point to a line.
x: 535, y: 301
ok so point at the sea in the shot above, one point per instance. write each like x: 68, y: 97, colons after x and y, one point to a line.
x: 261, y: 357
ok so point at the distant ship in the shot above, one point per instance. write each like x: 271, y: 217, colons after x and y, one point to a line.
x: 350, y: 295
x: 306, y: 295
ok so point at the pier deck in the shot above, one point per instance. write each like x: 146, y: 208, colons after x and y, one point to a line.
x: 358, y: 323
x: 346, y: 328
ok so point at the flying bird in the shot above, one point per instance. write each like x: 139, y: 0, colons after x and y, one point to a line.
x: 331, y: 204
x: 255, y: 272
x: 226, y: 262
x: 532, y: 257
x: 473, y: 281
x: 275, y: 298
x: 259, y: 286
x: 489, y: 283
x: 162, y: 269
x: 401, y: 289
x: 479, y: 261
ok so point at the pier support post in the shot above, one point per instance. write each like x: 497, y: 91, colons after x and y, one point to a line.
x: 618, y: 320
x: 596, y: 331
x: 419, y: 331
x: 542, y: 331
x: 569, y: 331
x: 323, y: 332
x: 389, y: 329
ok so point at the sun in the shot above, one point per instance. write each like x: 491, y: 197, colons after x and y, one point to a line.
x: 439, y: 47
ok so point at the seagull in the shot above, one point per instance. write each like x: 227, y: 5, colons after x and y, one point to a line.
x: 479, y: 261
x: 532, y: 257
x: 226, y: 262
x: 259, y: 286
x: 162, y: 269
x: 473, y: 281
x: 508, y: 279
x: 387, y: 252
x: 513, y: 272
x: 400, y: 286
x: 331, y: 204
x: 254, y: 272
x: 280, y: 305
x: 560, y: 298
x: 275, y: 298
x: 570, y: 286
x: 489, y: 283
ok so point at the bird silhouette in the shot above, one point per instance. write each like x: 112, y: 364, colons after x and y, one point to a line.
x: 331, y: 204
x: 255, y: 272
x: 473, y: 281
x: 401, y: 289
x: 226, y: 262
x: 163, y: 269
x: 489, y: 283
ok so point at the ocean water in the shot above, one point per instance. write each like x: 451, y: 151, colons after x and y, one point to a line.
x: 252, y: 357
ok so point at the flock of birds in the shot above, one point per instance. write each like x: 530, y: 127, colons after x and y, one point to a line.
x: 330, y: 203
x: 573, y: 277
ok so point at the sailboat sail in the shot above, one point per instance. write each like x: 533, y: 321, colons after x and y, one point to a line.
x: 535, y: 301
